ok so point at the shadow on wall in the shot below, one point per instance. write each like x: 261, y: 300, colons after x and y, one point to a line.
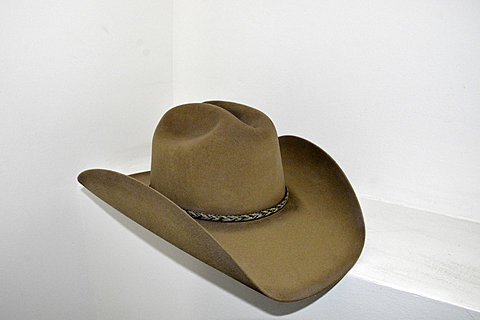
x: 205, y: 271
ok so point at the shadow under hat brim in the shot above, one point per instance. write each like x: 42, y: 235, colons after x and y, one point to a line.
x: 304, y: 249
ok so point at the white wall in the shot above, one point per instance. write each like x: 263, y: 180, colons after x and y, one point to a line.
x: 391, y: 89
x: 82, y: 84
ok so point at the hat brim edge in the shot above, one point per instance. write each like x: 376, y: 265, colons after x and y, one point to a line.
x: 163, y: 217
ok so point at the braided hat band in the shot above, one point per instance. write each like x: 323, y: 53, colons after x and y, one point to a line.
x: 241, y: 217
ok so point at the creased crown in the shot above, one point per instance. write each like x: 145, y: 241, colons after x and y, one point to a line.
x: 217, y: 157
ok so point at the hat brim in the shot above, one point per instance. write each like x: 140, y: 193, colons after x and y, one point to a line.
x: 304, y: 249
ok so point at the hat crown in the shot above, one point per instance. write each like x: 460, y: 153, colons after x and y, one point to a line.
x: 217, y: 157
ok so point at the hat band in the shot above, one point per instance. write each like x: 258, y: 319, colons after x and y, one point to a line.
x: 240, y: 217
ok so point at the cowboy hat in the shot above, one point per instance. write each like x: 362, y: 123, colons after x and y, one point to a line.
x: 275, y: 213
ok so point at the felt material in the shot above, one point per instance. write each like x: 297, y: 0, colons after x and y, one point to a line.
x: 219, y: 159
x: 304, y: 249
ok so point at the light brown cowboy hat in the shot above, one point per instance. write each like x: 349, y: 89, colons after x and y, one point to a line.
x: 276, y: 213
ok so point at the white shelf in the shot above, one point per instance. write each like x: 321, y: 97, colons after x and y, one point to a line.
x: 424, y: 253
